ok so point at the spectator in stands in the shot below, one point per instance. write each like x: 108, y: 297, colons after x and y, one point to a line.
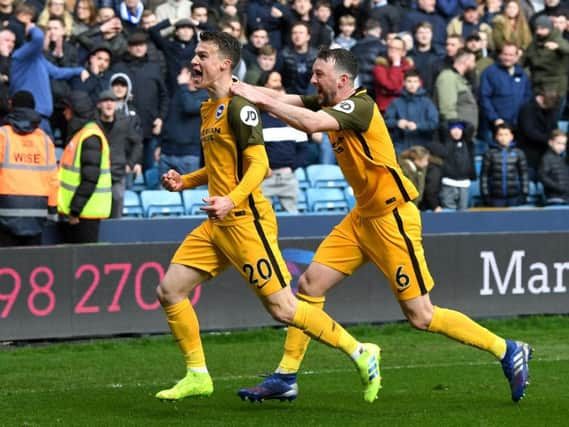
x: 125, y: 147
x: 433, y: 177
x: 200, y: 17
x: 297, y: 61
x: 367, y: 50
x: 28, y: 175
x: 280, y: 142
x: 130, y: 13
x: 176, y: 49
x: 345, y: 39
x: 31, y: 71
x: 412, y: 118
x: 53, y: 9
x: 504, y: 88
x: 511, y: 27
x: 233, y: 27
x: 85, y: 178
x: 425, y: 55
x: 547, y: 58
x: 388, y: 15
x: 84, y: 17
x: 271, y: 15
x: 173, y: 10
x: 7, y: 42
x: 180, y: 147
x: 458, y: 168
x: 122, y: 88
x: 266, y: 61
x: 504, y: 175
x: 355, y: 8
x: 149, y: 92
x: 553, y: 171
x: 551, y: 8
x: 426, y: 12
x: 109, y: 32
x: 7, y: 9
x: 474, y: 44
x: 388, y: 73
x: 62, y: 53
x: 454, y: 44
x: 322, y: 25
x: 454, y: 94
x: 258, y: 37
x: 99, y: 72
x: 536, y: 121
x: 469, y: 22
x: 154, y: 54
x: 233, y: 10
x: 414, y: 162
x: 489, y: 10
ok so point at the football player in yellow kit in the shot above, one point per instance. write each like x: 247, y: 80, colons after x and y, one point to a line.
x: 241, y: 230
x: 384, y: 227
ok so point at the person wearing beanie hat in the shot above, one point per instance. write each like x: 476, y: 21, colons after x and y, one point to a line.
x: 547, y: 58
x: 85, y: 178
x: 28, y: 175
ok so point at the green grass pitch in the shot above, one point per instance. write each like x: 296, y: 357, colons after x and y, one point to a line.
x: 428, y: 380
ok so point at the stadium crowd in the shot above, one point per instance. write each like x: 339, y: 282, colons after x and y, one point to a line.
x: 474, y: 92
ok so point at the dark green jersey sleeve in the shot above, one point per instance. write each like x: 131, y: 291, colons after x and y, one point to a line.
x: 310, y: 102
x: 354, y: 113
x: 245, y: 122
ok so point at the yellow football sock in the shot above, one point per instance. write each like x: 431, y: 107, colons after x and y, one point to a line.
x: 297, y: 341
x: 317, y: 324
x: 459, y: 327
x: 185, y: 327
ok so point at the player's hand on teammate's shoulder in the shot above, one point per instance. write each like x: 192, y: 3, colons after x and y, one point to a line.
x: 172, y: 181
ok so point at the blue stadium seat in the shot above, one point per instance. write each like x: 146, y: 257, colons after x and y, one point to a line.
x: 161, y: 203
x: 536, y: 195
x: 478, y: 165
x: 474, y: 194
x: 132, y: 206
x: 303, y: 183
x: 151, y: 178
x: 326, y: 176
x: 138, y: 183
x: 349, y: 195
x: 302, y: 204
x: 326, y: 200
x: 193, y: 201
x: 58, y: 154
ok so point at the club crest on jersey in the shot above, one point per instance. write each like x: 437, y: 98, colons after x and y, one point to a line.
x: 249, y: 116
x: 219, y: 111
x: 346, y: 106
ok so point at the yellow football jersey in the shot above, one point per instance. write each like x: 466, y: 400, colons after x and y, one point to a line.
x: 229, y: 126
x: 365, y: 153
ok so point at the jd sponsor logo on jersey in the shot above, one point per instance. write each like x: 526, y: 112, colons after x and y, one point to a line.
x: 219, y: 111
x: 249, y: 116
x: 345, y: 106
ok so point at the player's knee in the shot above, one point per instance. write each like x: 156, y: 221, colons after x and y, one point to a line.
x: 283, y: 311
x: 419, y: 319
x: 307, y: 285
x: 164, y: 295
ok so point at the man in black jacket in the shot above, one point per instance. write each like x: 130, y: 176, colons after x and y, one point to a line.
x: 125, y: 144
x: 149, y: 94
x: 366, y: 51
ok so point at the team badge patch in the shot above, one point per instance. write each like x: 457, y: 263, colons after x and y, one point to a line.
x: 219, y: 111
x: 249, y: 116
x: 347, y: 106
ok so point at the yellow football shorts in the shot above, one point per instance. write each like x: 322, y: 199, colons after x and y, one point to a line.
x: 251, y: 247
x: 393, y: 242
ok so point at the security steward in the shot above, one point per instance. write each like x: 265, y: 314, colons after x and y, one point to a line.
x: 84, y: 173
x: 28, y: 175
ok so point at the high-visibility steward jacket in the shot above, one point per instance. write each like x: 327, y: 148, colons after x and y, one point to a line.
x: 99, y: 204
x: 28, y: 179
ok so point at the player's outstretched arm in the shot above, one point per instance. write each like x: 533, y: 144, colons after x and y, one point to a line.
x: 293, y: 113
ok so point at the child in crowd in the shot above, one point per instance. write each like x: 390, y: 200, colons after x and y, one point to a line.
x: 553, y: 171
x: 504, y: 175
x: 414, y: 162
x: 347, y: 25
x: 458, y: 169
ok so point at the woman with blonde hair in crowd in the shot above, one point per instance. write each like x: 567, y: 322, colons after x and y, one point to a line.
x: 511, y: 26
x: 56, y: 8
